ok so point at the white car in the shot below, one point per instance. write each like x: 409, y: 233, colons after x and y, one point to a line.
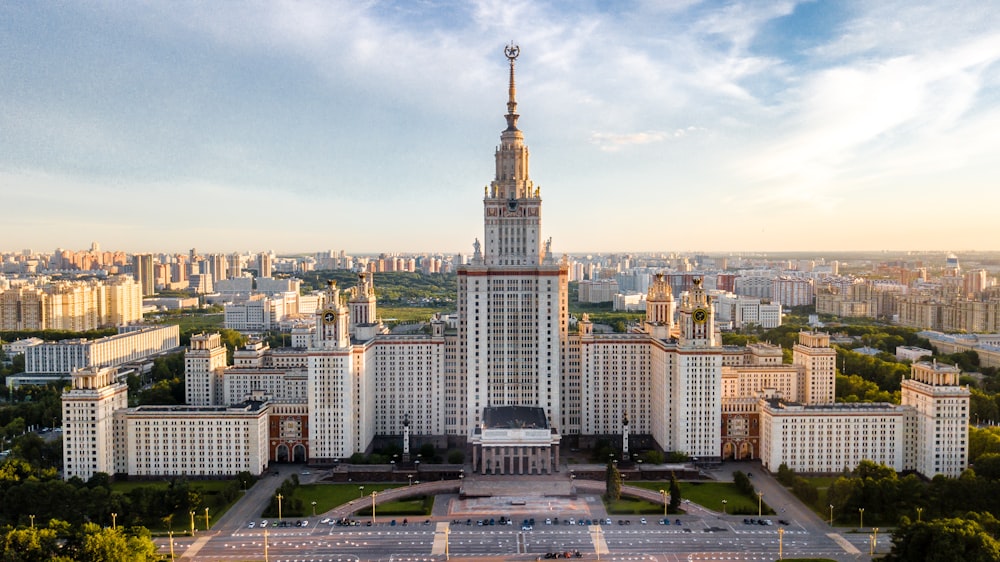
x: 642, y: 521
x: 325, y: 521
x: 263, y: 523
x: 252, y: 525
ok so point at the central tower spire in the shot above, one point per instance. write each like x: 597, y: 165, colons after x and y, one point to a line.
x: 512, y: 205
x: 512, y: 51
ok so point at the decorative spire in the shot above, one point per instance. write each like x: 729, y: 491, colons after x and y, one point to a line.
x: 511, y: 51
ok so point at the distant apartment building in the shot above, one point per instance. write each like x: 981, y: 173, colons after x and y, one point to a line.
x: 261, y: 312
x: 601, y: 290
x: 950, y: 314
x: 142, y: 270
x: 755, y: 284
x: 792, y: 291
x: 71, y: 305
x: 747, y: 311
x: 636, y: 301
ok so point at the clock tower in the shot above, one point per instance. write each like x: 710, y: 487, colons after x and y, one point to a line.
x: 696, y: 319
x: 332, y: 320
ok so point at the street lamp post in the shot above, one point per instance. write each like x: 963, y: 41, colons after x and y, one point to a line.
x: 361, y: 491
x: 724, y: 502
x: 265, y: 545
x: 171, y: 535
x: 279, y: 496
x: 192, y: 523
x: 374, y: 493
x: 781, y: 544
x: 32, y: 517
x: 919, y: 510
x: 207, y: 526
x: 447, y: 531
x: 874, y: 539
x: 314, y: 509
x: 114, y: 521
x: 664, y: 494
x: 760, y: 498
x: 831, y: 515
x: 861, y: 516
x: 410, y: 476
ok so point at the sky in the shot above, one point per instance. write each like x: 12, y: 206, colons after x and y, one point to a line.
x: 675, y: 125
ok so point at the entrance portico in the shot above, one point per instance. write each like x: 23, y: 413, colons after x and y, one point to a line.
x: 515, y: 440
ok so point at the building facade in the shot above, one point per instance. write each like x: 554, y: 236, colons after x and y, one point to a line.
x: 507, y: 378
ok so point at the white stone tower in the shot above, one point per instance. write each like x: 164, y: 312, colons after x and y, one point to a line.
x: 818, y: 379
x: 512, y: 297
x: 938, y: 437
x: 203, y: 365
x: 697, y: 382
x: 89, y: 425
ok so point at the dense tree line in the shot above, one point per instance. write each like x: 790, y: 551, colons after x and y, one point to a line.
x: 58, y: 541
x: 970, y: 538
x: 890, y: 499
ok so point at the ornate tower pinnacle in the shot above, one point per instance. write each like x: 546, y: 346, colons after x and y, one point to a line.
x: 511, y: 51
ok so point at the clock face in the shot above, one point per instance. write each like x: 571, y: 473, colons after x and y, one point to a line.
x: 329, y: 317
x: 512, y: 204
x: 700, y: 315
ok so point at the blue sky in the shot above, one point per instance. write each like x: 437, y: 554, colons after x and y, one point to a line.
x: 370, y: 126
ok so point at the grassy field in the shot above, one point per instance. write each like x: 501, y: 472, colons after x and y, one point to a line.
x: 633, y: 506
x: 194, y: 323
x: 397, y: 315
x: 710, y: 495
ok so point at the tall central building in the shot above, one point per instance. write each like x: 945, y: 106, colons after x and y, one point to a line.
x: 512, y: 297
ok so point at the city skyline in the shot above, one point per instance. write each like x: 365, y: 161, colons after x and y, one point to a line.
x: 685, y: 127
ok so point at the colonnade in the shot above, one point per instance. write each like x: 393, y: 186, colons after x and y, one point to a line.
x: 512, y: 459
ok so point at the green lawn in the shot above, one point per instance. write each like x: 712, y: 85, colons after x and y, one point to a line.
x: 710, y: 495
x: 329, y: 496
x: 407, y: 314
x: 633, y: 506
x: 194, y: 323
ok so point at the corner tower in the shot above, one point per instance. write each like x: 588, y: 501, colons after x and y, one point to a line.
x: 512, y: 297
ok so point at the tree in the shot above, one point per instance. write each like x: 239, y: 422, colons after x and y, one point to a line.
x: 115, y: 545
x: 675, y: 494
x: 943, y: 540
x: 29, y: 545
x: 742, y: 481
x: 614, y: 483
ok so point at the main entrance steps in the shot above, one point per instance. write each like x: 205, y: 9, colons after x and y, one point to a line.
x: 515, y: 486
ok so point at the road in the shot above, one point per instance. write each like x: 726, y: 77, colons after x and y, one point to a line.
x: 702, y: 535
